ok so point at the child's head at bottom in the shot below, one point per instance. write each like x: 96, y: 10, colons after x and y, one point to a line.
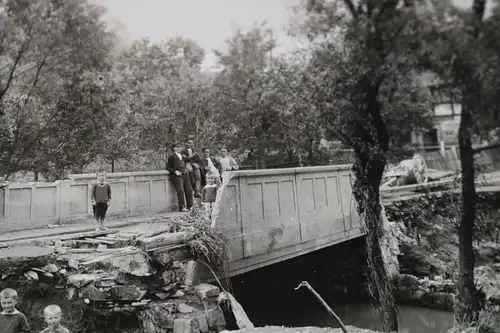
x: 210, y: 180
x: 52, y: 315
x: 8, y: 299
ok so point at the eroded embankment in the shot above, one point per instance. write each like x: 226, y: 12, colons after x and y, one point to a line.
x: 428, y: 244
x: 120, y: 282
x: 276, y: 329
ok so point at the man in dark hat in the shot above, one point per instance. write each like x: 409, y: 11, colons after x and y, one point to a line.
x: 193, y: 163
x: 180, y: 178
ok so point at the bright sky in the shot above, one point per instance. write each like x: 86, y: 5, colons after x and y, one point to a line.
x: 209, y: 22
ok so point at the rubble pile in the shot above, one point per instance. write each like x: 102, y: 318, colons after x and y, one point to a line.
x: 154, y: 278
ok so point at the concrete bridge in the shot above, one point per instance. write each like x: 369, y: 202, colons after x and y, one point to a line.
x: 268, y: 215
x: 274, y: 215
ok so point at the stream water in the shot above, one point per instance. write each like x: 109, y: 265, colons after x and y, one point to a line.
x: 269, y: 298
x: 278, y: 309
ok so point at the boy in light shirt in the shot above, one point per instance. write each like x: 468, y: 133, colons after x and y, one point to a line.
x: 227, y: 163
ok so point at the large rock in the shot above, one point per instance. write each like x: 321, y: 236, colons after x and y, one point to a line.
x: 206, y: 290
x: 215, y: 318
x: 158, y: 317
x: 135, y: 264
x: 168, y: 277
x: 80, y: 280
x: 202, y: 322
x: 127, y: 293
x: 186, y: 325
x: 94, y: 294
x: 194, y: 273
x: 25, y: 257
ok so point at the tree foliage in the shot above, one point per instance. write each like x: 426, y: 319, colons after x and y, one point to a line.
x: 364, y: 69
x: 49, y: 54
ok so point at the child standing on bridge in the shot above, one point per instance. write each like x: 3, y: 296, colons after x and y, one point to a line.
x: 101, y: 199
x: 11, y: 319
x: 209, y: 194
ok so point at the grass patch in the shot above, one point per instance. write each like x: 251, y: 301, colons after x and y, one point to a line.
x: 488, y: 322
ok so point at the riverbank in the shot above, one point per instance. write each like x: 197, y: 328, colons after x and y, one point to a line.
x: 277, y: 329
x: 428, y: 243
x: 110, y: 281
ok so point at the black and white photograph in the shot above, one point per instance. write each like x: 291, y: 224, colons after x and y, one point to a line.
x: 250, y: 166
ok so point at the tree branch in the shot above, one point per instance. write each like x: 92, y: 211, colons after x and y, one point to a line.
x: 17, y: 60
x: 352, y: 8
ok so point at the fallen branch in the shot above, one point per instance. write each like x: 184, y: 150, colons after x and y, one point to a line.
x: 322, y: 301
x: 90, y: 234
x: 170, y: 229
x: 175, y: 238
x: 115, y: 254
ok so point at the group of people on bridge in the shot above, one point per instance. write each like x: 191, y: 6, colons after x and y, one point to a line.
x: 198, y: 176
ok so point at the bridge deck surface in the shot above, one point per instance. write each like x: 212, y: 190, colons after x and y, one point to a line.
x: 135, y: 224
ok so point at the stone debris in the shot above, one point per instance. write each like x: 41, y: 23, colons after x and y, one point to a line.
x: 110, y: 273
x: 278, y: 329
x: 205, y: 290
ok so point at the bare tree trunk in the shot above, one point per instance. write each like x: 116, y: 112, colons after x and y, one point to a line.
x: 368, y: 175
x: 467, y: 304
x: 112, y: 164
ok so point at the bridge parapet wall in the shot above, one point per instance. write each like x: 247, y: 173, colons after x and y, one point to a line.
x: 273, y: 215
x: 35, y: 205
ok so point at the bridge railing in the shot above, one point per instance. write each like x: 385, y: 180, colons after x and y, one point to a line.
x: 263, y: 212
x: 35, y: 205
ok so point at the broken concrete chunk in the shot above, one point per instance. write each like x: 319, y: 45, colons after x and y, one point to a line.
x: 135, y: 264
x: 127, y: 293
x: 71, y: 294
x: 51, y: 268
x: 79, y: 280
x: 105, y: 283
x: 184, y: 308
x: 72, y: 263
x: 31, y: 275
x: 215, y: 318
x: 94, y: 294
x: 206, y: 290
x: 193, y: 273
x: 162, y: 296
x: 178, y: 293
x: 202, y: 322
x: 168, y: 277
x: 177, y: 264
x: 186, y: 325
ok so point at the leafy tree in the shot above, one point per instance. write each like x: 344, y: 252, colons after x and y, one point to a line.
x: 167, y: 94
x: 464, y: 51
x: 301, y: 126
x: 250, y: 109
x: 49, y: 50
x: 364, y: 68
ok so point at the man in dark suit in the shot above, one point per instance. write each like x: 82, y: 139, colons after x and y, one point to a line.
x: 193, y: 163
x: 209, y: 165
x: 180, y: 179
